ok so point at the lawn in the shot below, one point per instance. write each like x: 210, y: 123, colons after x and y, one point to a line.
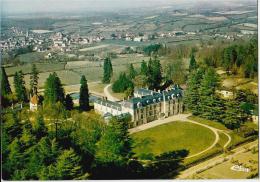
x: 171, y: 137
x: 214, y: 124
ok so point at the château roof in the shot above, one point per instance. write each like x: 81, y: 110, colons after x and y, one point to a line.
x: 174, y: 93
x: 147, y: 99
x: 108, y: 103
x: 34, y: 99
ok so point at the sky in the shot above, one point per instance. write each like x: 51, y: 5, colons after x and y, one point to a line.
x: 36, y: 6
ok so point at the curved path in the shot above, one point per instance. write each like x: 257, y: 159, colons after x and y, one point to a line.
x: 184, y: 118
x: 214, y: 130
x: 108, y: 94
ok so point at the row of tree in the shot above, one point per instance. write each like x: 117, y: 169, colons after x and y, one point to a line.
x: 150, y: 75
x: 20, y: 93
x: 240, y: 57
x: 202, y: 99
x: 53, y: 90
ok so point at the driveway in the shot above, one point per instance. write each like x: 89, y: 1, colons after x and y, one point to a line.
x: 108, y: 94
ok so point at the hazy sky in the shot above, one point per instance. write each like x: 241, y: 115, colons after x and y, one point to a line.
x: 33, y: 6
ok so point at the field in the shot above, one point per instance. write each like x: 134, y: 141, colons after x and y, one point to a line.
x: 171, y: 137
x: 42, y: 67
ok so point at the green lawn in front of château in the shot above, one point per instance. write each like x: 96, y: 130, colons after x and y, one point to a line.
x: 170, y: 137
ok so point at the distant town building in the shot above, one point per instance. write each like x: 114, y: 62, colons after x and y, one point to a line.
x: 226, y: 94
x: 145, y: 106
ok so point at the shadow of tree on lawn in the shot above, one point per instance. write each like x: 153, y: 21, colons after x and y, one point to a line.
x: 165, y: 166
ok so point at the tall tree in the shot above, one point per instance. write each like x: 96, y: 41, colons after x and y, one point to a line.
x: 144, y: 68
x: 68, y: 102
x: 193, y: 63
x: 15, y: 157
x: 175, y: 71
x: 154, y: 74
x: 5, y: 88
x: 68, y: 165
x: 192, y: 95
x: 107, y: 70
x: 19, y: 86
x: 132, y: 72
x: 54, y: 91
x: 211, y: 106
x: 115, y: 144
x: 34, y: 80
x: 84, y: 95
x: 40, y: 130
x: 233, y: 117
x: 122, y: 84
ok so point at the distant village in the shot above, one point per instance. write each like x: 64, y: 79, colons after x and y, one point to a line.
x: 43, y: 40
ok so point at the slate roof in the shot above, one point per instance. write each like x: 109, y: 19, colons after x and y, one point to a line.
x: 153, y: 97
x: 144, y: 92
x: 174, y: 92
x: 107, y: 103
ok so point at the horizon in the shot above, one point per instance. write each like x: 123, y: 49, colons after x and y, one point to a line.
x: 13, y: 7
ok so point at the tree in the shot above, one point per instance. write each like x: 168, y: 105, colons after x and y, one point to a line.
x: 54, y: 91
x: 34, y: 80
x: 192, y: 95
x: 68, y: 102
x: 122, y: 84
x: 12, y: 125
x: 48, y: 173
x: 115, y: 143
x: 107, y: 70
x: 233, y: 117
x: 19, y: 86
x: 68, y: 165
x: 193, y: 63
x: 40, y: 129
x: 211, y: 106
x: 27, y: 139
x: 144, y: 68
x: 140, y: 81
x: 84, y: 95
x: 175, y: 71
x: 154, y: 74
x: 5, y: 88
x: 15, y: 157
x: 132, y: 72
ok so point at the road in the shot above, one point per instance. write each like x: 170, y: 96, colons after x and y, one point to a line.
x: 108, y: 94
x: 186, y: 174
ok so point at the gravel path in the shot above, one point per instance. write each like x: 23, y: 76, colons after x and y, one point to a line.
x: 108, y: 94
